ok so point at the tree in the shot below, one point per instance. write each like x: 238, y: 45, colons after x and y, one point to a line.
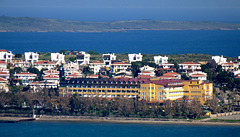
x: 18, y: 55
x: 63, y: 51
x: 93, y: 52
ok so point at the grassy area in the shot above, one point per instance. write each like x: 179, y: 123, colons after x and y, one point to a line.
x: 224, y: 120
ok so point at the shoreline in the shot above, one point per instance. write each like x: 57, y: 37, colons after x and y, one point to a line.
x: 117, y: 120
x: 120, y: 120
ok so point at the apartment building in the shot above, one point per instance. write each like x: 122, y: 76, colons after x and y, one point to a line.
x: 31, y: 57
x: 6, y: 56
x: 160, y: 90
x: 134, y: 57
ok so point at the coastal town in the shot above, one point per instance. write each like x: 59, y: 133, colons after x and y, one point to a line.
x: 85, y: 76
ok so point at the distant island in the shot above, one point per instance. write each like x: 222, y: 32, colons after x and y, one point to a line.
x: 29, y: 24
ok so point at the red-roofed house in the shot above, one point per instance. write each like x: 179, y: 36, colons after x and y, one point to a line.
x: 5, y: 55
x: 44, y: 65
x: 3, y: 85
x: 144, y: 77
x: 22, y: 64
x: 188, y: 67
x: 96, y: 66
x: 51, y: 78
x: 74, y: 75
x: 230, y: 66
x: 26, y: 78
x: 3, y: 65
x: 168, y: 67
x: 4, y: 75
x: 39, y: 85
x: 198, y: 75
x: 152, y: 74
x: 173, y: 74
x: 48, y: 72
x: 120, y: 66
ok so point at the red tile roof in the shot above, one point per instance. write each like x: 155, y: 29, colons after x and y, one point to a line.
x: 171, y: 73
x: 4, y: 73
x: 44, y: 62
x: 2, y: 79
x: 3, y: 50
x: 51, y: 76
x: 227, y: 64
x: 237, y: 77
x: 198, y: 75
x: 145, y: 76
x: 146, y: 72
x: 2, y: 62
x: 98, y: 62
x: 25, y: 74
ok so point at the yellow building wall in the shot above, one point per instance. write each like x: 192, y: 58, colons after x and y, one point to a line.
x: 191, y: 89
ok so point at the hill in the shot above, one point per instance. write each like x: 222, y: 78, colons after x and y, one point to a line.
x: 29, y: 24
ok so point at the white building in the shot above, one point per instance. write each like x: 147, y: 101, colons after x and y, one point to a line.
x: 44, y: 65
x: 219, y: 59
x: 26, y: 78
x: 4, y: 74
x: 22, y: 64
x: 96, y: 66
x: 188, y: 67
x: 83, y: 58
x: 108, y: 58
x: 39, y: 85
x: 31, y: 57
x: 3, y: 65
x: 120, y: 66
x: 159, y: 60
x: 147, y: 68
x: 51, y: 78
x: 3, y: 85
x: 71, y: 68
x: 134, y: 57
x: 198, y: 75
x: 5, y: 55
x: 58, y: 58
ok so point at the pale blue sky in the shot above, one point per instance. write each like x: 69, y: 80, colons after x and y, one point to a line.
x: 111, y: 10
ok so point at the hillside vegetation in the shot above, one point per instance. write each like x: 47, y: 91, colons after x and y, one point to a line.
x: 28, y: 24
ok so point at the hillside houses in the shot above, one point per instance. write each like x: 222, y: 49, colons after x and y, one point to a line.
x: 38, y: 73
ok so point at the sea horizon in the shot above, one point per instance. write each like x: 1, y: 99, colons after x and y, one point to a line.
x: 212, y: 42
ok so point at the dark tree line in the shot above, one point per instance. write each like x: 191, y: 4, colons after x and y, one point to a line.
x: 49, y: 102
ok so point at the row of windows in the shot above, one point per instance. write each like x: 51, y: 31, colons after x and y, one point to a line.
x: 106, y: 82
x: 151, y: 88
x: 109, y: 96
x: 179, y: 96
x: 104, y: 91
x: 195, y: 91
x: 176, y: 92
x: 101, y: 86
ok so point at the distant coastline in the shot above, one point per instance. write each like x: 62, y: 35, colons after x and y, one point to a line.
x: 29, y: 24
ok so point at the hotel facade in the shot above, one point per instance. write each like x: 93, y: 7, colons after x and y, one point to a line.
x: 142, y: 89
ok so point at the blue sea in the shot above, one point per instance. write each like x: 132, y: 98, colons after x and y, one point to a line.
x: 81, y: 129
x: 214, y: 42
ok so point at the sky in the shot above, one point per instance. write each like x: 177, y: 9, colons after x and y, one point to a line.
x: 115, y: 10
